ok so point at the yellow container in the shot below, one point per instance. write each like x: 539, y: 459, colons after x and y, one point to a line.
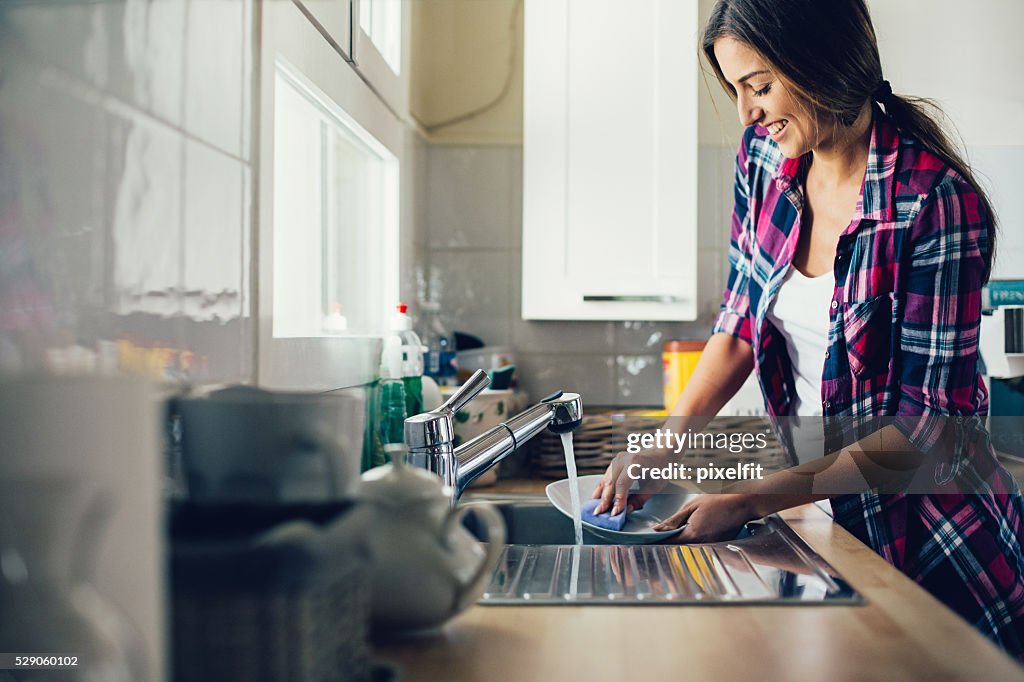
x: 678, y: 359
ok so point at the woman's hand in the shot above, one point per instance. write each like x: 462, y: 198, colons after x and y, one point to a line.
x: 711, y: 517
x: 613, y: 488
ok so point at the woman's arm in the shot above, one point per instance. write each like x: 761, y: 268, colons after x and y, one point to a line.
x: 724, y: 365
x: 726, y: 361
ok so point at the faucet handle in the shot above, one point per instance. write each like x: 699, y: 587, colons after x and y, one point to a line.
x: 469, y: 390
x: 435, y: 429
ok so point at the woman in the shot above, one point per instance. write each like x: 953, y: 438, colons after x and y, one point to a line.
x: 860, y: 243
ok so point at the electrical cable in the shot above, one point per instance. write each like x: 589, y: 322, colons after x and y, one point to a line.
x: 512, y: 57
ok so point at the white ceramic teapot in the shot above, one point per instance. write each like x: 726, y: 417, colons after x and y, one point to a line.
x: 427, y: 566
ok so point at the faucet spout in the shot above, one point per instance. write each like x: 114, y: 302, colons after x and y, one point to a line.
x: 560, y: 413
x: 430, y: 435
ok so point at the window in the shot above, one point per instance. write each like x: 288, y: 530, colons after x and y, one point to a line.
x: 381, y: 21
x: 331, y: 147
x: 336, y: 213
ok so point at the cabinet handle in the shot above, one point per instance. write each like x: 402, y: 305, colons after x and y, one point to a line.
x: 633, y: 299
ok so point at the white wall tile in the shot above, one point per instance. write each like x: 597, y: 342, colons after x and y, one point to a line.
x: 145, y: 172
x: 248, y: 50
x: 475, y: 293
x: 715, y: 263
x: 471, y: 197
x: 52, y: 213
x: 214, y: 222
x: 709, y: 208
x: 414, y: 230
x: 74, y: 37
x: 592, y: 376
x: 553, y: 336
x: 517, y: 197
x: 147, y: 52
x: 214, y: 77
x: 638, y: 380
x: 247, y: 328
x: 648, y: 337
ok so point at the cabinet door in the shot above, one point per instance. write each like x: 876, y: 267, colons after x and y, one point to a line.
x: 610, y: 160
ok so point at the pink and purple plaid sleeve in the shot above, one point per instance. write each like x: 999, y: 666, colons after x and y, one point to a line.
x: 948, y: 247
x: 734, y: 312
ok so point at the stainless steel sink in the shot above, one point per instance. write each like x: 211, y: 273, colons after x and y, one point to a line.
x: 767, y: 563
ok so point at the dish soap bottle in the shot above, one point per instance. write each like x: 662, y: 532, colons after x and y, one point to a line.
x: 412, y: 359
x: 439, y: 361
x: 389, y: 434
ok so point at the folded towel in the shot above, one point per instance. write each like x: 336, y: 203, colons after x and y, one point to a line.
x: 605, y: 520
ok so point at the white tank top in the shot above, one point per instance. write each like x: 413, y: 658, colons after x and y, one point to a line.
x: 800, y: 311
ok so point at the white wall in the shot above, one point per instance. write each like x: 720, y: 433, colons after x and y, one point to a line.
x: 968, y: 56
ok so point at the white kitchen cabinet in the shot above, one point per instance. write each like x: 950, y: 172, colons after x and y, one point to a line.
x: 610, y: 160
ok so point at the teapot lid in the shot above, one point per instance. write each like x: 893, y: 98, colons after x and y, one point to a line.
x: 400, y: 484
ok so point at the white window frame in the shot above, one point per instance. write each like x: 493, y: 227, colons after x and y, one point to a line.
x: 378, y: 248
x: 393, y: 88
x: 289, y: 35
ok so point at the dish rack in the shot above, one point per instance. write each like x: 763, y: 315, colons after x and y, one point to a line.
x: 604, y: 431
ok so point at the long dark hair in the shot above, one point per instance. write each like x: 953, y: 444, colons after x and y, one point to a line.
x: 827, y: 53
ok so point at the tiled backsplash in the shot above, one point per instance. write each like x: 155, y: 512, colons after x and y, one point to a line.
x: 125, y: 211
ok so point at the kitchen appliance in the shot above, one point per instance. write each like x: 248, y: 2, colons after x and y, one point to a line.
x: 1001, y: 346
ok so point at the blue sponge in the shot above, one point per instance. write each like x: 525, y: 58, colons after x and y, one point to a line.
x: 605, y: 520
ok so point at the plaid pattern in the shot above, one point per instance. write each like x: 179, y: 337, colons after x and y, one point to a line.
x: 903, y: 342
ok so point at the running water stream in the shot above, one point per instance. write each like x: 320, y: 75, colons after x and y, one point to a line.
x: 577, y: 515
x: 574, y: 489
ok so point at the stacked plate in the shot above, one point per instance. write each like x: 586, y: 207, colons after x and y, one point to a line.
x: 603, y: 435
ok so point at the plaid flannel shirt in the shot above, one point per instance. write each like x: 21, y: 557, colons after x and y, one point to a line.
x: 903, y: 343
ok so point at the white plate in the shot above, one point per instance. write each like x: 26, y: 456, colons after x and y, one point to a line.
x: 639, y: 524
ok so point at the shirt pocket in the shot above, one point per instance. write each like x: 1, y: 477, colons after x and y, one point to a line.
x: 867, y: 326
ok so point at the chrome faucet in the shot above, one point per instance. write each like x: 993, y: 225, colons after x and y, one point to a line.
x: 430, y: 436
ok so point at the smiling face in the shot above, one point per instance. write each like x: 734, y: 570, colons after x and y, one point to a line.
x: 763, y: 99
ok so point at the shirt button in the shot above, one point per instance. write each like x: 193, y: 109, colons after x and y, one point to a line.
x: 835, y: 304
x: 826, y: 404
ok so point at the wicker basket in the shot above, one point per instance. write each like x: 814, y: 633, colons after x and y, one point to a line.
x: 288, y: 602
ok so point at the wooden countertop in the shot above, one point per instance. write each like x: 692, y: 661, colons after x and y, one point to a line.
x: 902, y: 633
